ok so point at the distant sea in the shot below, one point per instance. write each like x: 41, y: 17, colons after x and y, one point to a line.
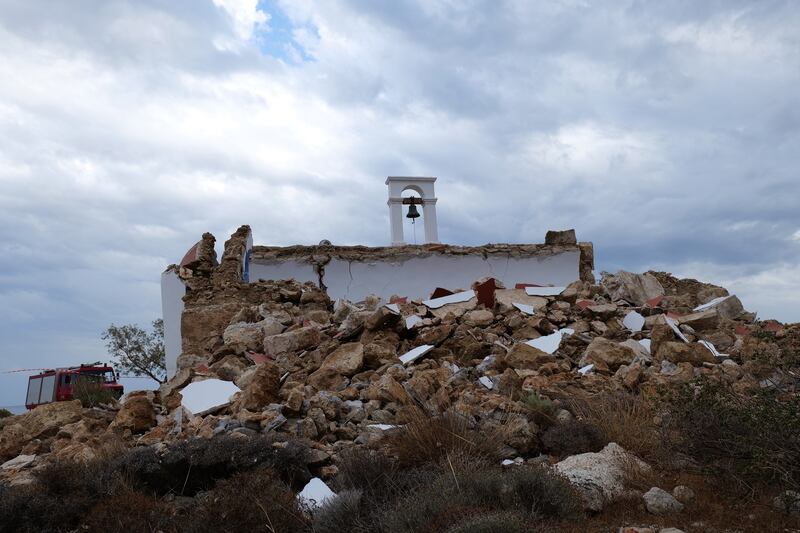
x: 16, y: 409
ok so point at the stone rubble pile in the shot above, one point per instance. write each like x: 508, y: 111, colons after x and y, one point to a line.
x: 343, y: 374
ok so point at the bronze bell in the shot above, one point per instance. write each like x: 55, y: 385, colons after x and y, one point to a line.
x: 412, y: 212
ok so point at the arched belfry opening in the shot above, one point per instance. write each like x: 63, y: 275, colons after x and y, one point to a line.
x: 406, y: 196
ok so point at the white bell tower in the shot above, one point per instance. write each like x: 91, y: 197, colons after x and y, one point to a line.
x: 423, y: 187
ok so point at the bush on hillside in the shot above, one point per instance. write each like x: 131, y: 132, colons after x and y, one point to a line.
x: 745, y: 438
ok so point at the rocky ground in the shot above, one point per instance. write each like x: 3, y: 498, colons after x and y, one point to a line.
x: 660, y: 402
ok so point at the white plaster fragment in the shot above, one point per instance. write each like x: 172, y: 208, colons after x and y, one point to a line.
x: 507, y: 462
x: 633, y: 321
x: 712, y: 349
x: 383, y: 427
x: 567, y: 331
x: 712, y: 303
x: 201, y: 397
x: 525, y: 308
x: 544, y: 291
x: 458, y: 297
x: 415, y: 354
x: 646, y: 344
x: 486, y: 382
x: 412, y: 321
x: 548, y: 343
x: 585, y: 369
x: 674, y: 325
x: 315, y: 493
x: 394, y: 308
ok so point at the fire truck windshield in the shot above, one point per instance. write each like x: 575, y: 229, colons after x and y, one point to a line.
x: 100, y: 376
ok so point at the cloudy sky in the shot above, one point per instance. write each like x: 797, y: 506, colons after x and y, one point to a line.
x: 668, y: 133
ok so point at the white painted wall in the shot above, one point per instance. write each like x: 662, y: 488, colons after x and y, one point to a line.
x: 418, y: 276
x: 172, y: 293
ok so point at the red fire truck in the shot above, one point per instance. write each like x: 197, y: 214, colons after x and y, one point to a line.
x: 59, y: 384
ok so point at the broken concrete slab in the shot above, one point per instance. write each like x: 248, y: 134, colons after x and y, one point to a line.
x: 315, y: 494
x: 412, y: 321
x: 486, y: 382
x: 525, y: 308
x: 548, y: 343
x: 202, y: 397
x: 416, y: 353
x: 458, y: 297
x: 712, y: 348
x: 633, y: 321
x: 544, y: 291
x: 673, y: 324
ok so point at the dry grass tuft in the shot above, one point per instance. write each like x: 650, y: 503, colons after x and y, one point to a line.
x: 623, y: 418
x: 427, y: 439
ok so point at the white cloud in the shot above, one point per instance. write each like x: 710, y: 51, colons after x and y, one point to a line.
x: 246, y: 18
x: 127, y: 134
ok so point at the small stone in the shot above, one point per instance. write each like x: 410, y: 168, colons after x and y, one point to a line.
x: 788, y: 502
x: 683, y: 494
x: 479, y: 317
x: 660, y: 502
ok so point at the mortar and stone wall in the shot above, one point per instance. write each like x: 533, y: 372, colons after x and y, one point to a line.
x: 201, y: 296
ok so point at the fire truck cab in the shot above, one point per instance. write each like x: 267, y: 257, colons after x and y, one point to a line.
x: 59, y: 384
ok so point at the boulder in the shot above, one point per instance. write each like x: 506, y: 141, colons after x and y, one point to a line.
x: 602, y: 311
x: 660, y: 502
x: 660, y: 334
x: 40, y: 423
x: 606, y: 355
x: 525, y: 357
x: 566, y: 236
x: 633, y: 288
x: 262, y: 389
x: 327, y: 379
x: 702, y: 320
x: 290, y: 341
x: 347, y: 359
x: 479, y: 318
x: 726, y: 306
x: 380, y: 318
x: 137, y: 414
x: 681, y: 352
x: 600, y: 476
x: 244, y: 336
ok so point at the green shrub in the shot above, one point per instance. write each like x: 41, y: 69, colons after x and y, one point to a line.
x: 471, y: 492
x: 745, y: 438
x: 573, y: 437
x: 505, y: 522
x: 4, y: 413
x: 541, y: 409
x: 256, y: 500
x: 92, y: 394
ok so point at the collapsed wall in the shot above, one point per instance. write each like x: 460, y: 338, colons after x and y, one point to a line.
x: 200, y: 296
